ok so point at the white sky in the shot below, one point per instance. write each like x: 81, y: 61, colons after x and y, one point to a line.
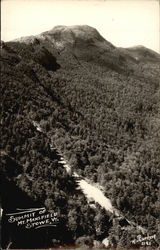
x: 123, y: 23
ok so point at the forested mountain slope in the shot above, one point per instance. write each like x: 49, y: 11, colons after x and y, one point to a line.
x: 100, y: 107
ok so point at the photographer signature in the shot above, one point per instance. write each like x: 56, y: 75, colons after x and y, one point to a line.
x: 144, y: 240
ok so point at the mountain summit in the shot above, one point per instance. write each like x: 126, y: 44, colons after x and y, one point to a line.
x: 71, y: 33
x: 68, y: 34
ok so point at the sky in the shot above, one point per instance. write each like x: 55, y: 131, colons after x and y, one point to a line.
x: 124, y: 23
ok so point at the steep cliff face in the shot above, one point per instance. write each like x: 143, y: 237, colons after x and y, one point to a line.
x: 98, y: 105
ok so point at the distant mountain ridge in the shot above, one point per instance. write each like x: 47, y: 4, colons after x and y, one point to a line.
x: 61, y: 35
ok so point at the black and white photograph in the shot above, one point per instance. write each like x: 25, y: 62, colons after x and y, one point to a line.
x: 80, y: 124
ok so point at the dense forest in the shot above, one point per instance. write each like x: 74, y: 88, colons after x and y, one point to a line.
x: 99, y: 106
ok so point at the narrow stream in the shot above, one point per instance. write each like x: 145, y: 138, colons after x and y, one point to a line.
x: 91, y: 192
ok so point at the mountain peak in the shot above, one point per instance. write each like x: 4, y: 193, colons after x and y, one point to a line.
x: 81, y: 31
x: 71, y: 34
x: 62, y: 35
